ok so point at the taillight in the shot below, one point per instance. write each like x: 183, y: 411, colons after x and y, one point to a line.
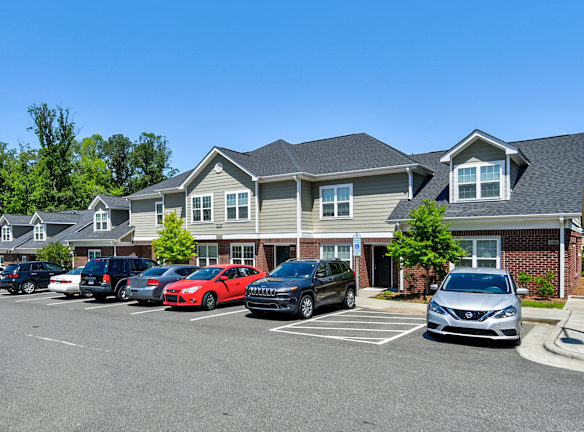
x: 106, y: 278
x: 128, y: 282
x: 152, y: 282
x: 13, y: 276
x: 66, y: 282
x: 52, y: 281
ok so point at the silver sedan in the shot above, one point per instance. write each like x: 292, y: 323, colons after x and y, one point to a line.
x: 149, y: 285
x: 481, y: 302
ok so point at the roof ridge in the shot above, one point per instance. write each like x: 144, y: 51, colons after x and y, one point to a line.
x: 288, y: 149
x: 391, y: 147
x: 235, y: 151
x: 543, y: 138
x: 330, y: 138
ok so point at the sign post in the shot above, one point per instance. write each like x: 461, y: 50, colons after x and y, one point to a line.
x: 357, y: 248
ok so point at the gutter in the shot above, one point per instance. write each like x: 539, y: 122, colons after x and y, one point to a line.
x: 498, y: 217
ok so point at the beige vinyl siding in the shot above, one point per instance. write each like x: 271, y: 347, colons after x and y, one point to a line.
x: 118, y: 217
x: 479, y: 151
x: 53, y: 230
x: 18, y: 231
x: 231, y: 178
x: 278, y: 207
x: 143, y: 217
x: 374, y: 198
x: 175, y: 202
x: 307, y: 204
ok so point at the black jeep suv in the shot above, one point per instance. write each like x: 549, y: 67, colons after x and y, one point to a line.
x: 108, y: 276
x: 298, y: 286
x: 28, y: 276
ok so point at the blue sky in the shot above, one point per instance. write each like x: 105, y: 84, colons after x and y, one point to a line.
x: 417, y: 75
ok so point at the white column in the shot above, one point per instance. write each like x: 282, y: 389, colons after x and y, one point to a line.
x: 187, y: 209
x: 508, y: 177
x: 257, y: 206
x: 562, y: 258
x: 298, y: 214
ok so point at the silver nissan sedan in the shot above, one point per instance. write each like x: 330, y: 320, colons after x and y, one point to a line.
x: 477, y: 302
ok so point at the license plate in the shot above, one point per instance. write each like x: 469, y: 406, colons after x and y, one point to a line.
x: 90, y: 282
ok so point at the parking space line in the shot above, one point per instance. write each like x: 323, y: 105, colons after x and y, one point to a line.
x: 149, y: 310
x: 369, y: 322
x: 403, y: 334
x: 349, y: 329
x: 307, y: 321
x: 217, y: 315
x: 107, y: 305
x: 332, y: 337
x: 38, y: 298
x: 56, y: 340
x: 67, y: 302
x: 12, y: 296
x: 386, y: 317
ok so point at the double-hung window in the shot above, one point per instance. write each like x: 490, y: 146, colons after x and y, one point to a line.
x: 207, y: 254
x: 39, y: 232
x: 243, y: 254
x: 480, y: 252
x: 101, y: 221
x: 6, y: 233
x: 93, y: 254
x: 336, y: 201
x: 483, y: 180
x: 237, y: 206
x: 340, y: 251
x: 159, y: 213
x: 202, y: 208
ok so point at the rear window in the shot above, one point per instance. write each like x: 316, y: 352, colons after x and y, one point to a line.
x: 11, y: 268
x: 95, y: 266
x: 155, y: 271
x: 76, y: 271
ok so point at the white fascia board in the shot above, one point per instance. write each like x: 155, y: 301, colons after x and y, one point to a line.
x: 95, y: 201
x: 500, y: 217
x: 33, y: 217
x: 477, y: 134
x: 214, y: 151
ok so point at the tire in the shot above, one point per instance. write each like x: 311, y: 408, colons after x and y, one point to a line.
x: 349, y: 301
x: 99, y: 297
x: 305, y: 307
x: 143, y: 302
x: 85, y: 295
x: 121, y: 293
x: 28, y: 287
x: 209, y: 301
x: 68, y: 295
x: 12, y: 290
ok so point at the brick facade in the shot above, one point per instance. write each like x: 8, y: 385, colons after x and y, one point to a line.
x: 82, y: 252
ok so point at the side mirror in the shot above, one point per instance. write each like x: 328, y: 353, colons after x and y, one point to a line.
x: 522, y: 291
x: 223, y: 278
x: 320, y: 275
x: 434, y: 287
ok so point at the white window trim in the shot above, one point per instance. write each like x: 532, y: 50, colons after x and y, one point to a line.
x: 207, y: 257
x: 43, y: 232
x: 474, y: 248
x: 336, y: 245
x: 2, y: 260
x: 108, y: 220
x: 242, y: 257
x: 336, y: 186
x: 94, y: 251
x: 238, y: 219
x: 156, y: 214
x: 9, y: 233
x: 212, y: 209
x: 478, y: 165
x: 23, y: 258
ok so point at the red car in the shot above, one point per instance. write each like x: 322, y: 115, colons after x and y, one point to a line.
x: 212, y: 285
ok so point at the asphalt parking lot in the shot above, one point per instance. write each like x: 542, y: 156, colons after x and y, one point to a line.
x: 83, y: 365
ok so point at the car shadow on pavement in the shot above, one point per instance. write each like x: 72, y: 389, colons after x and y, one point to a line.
x: 190, y: 309
x: 470, y: 341
x: 275, y: 316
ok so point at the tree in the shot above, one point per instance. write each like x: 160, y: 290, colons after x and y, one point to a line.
x: 428, y: 243
x: 116, y: 152
x: 57, y: 253
x: 150, y: 160
x: 19, y: 182
x: 175, y: 243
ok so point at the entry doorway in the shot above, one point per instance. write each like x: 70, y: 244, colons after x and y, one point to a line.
x: 282, y: 254
x: 382, y: 268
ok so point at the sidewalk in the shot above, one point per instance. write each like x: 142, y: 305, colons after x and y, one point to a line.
x: 567, y: 339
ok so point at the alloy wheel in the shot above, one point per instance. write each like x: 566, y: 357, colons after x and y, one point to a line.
x: 28, y: 287
x: 306, y: 306
x: 350, y: 298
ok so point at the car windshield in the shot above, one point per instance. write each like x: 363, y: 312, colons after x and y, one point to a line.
x: 477, y: 283
x: 94, y: 266
x: 206, y: 273
x: 11, y: 268
x: 293, y: 270
x: 155, y: 271
x: 76, y: 271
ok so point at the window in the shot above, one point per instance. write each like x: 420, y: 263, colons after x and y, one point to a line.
x: 1, y: 260
x: 481, y: 253
x: 6, y: 233
x: 23, y: 258
x: 342, y: 251
x: 202, y: 208
x: 482, y: 180
x: 207, y: 255
x: 243, y: 254
x: 93, y: 254
x: 323, y: 271
x: 36, y: 267
x: 54, y: 267
x: 237, y: 206
x: 101, y: 220
x: 336, y: 201
x: 39, y: 232
x: 159, y: 213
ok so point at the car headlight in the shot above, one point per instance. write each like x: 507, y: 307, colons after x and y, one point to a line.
x: 190, y: 290
x: 435, y: 307
x: 509, y: 311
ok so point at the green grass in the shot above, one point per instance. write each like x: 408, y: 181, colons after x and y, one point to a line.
x: 543, y: 304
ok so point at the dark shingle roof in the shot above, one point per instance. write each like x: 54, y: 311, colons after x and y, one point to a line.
x: 553, y: 182
x: 115, y: 201
x: 71, y: 216
x: 81, y: 218
x: 87, y: 233
x: 14, y: 219
x: 170, y: 183
x: 16, y: 242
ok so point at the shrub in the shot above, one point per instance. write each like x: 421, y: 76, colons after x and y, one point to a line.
x: 544, y: 284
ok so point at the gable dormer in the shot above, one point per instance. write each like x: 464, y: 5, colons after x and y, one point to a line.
x: 482, y: 168
x: 109, y: 212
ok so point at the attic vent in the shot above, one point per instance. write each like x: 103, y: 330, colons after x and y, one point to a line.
x: 218, y: 167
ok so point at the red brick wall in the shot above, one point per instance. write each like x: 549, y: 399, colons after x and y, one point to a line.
x: 82, y: 252
x: 17, y: 258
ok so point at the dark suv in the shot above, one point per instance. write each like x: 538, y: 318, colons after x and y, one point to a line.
x: 28, y: 276
x: 298, y: 286
x: 107, y: 276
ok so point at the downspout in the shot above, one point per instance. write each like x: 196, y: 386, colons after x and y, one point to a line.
x: 298, y: 214
x: 410, y: 183
x: 508, y: 176
x: 187, y: 208
x: 401, y: 269
x: 562, y: 257
x: 115, y: 248
x: 257, y: 212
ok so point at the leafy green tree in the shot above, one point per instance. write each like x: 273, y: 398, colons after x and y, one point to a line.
x: 57, y: 253
x: 427, y: 244
x: 117, y: 151
x: 19, y: 182
x: 150, y: 160
x: 175, y: 244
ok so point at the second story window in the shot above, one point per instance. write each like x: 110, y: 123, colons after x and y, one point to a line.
x: 478, y: 181
x: 202, y: 208
x: 101, y: 221
x: 237, y: 206
x: 336, y: 201
x: 39, y: 232
x: 159, y: 213
x: 6, y: 233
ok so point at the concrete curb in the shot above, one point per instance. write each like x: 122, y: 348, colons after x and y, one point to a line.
x: 551, y: 346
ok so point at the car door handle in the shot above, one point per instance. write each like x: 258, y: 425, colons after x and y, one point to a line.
x: 51, y: 274
x: 34, y: 274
